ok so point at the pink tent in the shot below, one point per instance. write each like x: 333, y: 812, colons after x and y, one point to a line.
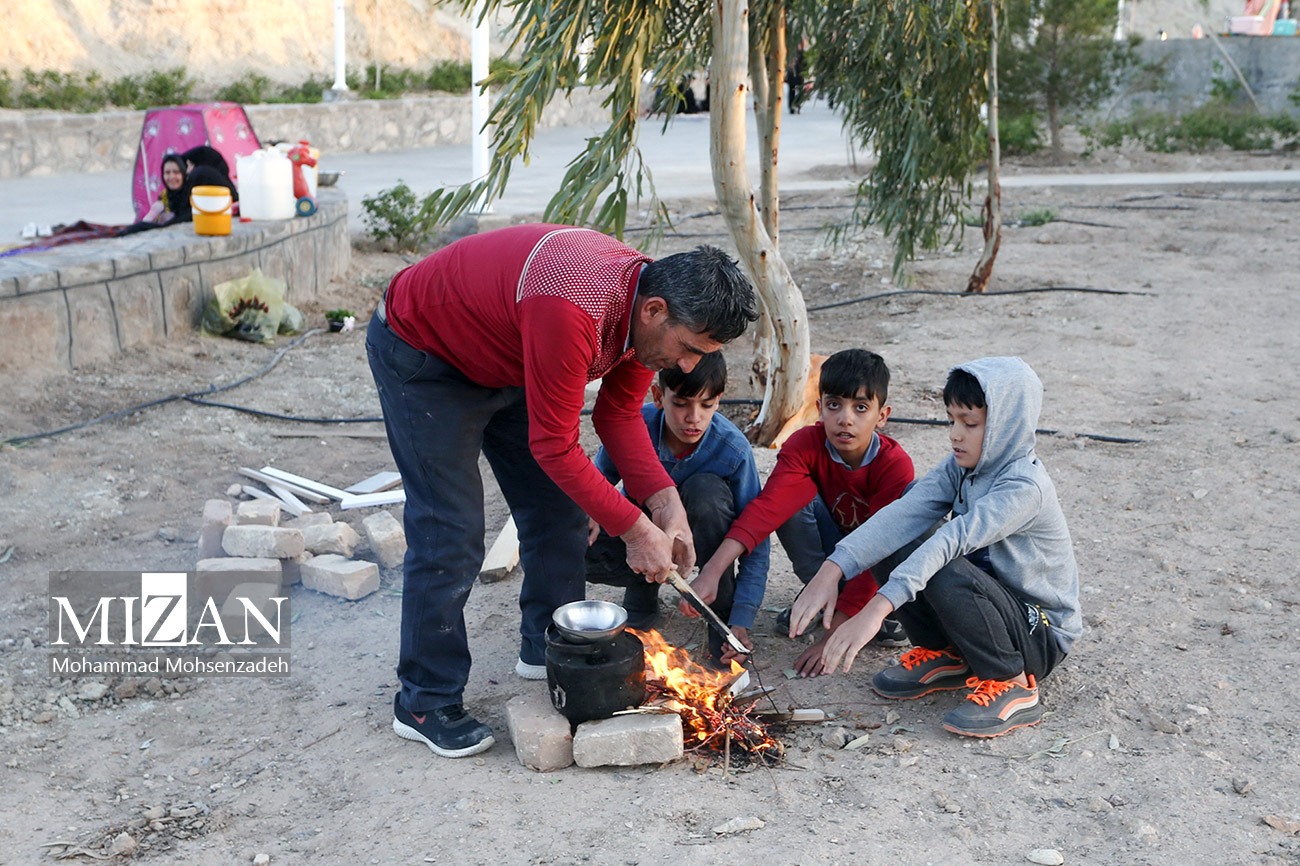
x: 223, y: 125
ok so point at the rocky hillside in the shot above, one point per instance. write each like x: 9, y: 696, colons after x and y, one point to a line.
x: 218, y: 40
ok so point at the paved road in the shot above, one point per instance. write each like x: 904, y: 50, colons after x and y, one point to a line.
x: 812, y: 146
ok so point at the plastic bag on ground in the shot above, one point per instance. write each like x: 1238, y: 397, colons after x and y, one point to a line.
x: 249, y: 308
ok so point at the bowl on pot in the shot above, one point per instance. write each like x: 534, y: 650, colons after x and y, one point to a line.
x: 328, y: 178
x: 590, y: 621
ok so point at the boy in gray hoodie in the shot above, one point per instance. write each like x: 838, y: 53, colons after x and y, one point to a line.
x: 989, y: 598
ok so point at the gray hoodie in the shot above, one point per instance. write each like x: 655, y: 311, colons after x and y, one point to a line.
x: 1007, y: 503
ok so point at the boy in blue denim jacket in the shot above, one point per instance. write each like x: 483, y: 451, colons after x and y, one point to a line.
x: 712, y: 464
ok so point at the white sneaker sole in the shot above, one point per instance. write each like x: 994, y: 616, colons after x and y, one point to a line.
x: 530, y: 672
x: 406, y: 732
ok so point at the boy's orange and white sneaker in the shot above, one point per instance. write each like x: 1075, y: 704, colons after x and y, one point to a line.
x: 995, y: 707
x: 920, y: 671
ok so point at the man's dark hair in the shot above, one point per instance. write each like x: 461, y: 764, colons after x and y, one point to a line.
x: 705, y: 291
x: 963, y: 389
x: 849, y: 371
x: 707, y: 378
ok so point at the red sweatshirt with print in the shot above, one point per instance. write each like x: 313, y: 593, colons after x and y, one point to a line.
x: 805, y: 468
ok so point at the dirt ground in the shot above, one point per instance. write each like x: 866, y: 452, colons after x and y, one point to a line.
x: 1171, y: 735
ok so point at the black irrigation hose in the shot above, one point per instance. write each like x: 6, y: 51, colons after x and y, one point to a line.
x: 931, y: 422
x: 897, y: 292
x: 261, y: 413
x: 191, y: 396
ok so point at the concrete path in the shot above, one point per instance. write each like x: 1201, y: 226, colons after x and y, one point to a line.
x: 813, y: 148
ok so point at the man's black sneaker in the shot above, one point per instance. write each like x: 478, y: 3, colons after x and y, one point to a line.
x: 448, y: 731
x: 891, y: 634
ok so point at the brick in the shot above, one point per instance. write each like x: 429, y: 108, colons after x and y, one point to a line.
x: 85, y: 271
x: 258, y: 512
x: 337, y: 538
x: 625, y: 741
x: 336, y: 575
x: 543, y: 738
x: 386, y: 537
x: 313, y: 518
x: 42, y: 320
x: 276, y: 542
x: 182, y: 299
x: 217, y: 515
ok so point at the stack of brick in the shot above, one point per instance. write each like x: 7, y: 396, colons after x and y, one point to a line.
x: 545, y: 740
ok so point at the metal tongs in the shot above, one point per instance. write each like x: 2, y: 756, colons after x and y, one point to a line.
x: 715, y: 622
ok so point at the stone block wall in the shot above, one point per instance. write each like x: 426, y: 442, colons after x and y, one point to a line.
x: 88, y: 302
x: 50, y: 142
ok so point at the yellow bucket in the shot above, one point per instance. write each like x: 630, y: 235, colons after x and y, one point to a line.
x: 211, y: 207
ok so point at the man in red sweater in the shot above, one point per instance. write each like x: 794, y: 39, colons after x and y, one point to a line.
x: 486, y: 347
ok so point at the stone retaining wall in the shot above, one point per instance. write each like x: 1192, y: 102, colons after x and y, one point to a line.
x: 53, y: 142
x: 90, y: 301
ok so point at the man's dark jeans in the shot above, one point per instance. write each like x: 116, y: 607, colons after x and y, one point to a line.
x: 438, y: 423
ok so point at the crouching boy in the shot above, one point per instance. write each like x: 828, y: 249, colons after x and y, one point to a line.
x: 712, y: 464
x: 989, y: 598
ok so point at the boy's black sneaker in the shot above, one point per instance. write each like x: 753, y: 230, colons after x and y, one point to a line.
x: 449, y: 731
x: 995, y: 707
x: 891, y: 634
x: 919, y: 672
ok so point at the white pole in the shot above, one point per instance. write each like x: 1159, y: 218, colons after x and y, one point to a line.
x: 479, y: 100
x: 1119, y: 20
x: 340, y: 57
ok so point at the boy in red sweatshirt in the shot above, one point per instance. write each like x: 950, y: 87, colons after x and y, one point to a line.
x: 838, y: 472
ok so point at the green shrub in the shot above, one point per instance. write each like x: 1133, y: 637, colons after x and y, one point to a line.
x: 1019, y: 134
x: 449, y: 76
x: 166, y: 87
x: 1211, y: 126
x: 60, y: 91
x: 248, y: 89
x: 7, y: 99
x: 396, y: 215
x: 1040, y: 217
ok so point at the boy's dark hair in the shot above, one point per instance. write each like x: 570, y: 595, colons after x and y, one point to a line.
x: 847, y: 372
x: 705, y: 291
x: 963, y: 389
x: 707, y: 377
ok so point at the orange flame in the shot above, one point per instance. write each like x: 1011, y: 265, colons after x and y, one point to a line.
x: 700, y: 696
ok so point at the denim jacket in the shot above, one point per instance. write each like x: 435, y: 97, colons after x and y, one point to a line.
x: 723, y: 451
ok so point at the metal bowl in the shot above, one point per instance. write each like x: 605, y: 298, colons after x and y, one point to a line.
x: 590, y: 621
x: 328, y: 178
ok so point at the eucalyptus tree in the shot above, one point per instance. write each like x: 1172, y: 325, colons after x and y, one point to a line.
x: 907, y: 76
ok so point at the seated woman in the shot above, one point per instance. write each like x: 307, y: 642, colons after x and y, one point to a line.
x: 211, y: 167
x: 173, y: 204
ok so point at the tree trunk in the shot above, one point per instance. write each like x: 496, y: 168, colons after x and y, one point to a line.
x: 1054, y: 104
x: 781, y: 299
x: 979, y: 280
x: 767, y: 59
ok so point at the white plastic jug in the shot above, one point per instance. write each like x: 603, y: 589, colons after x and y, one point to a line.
x: 265, y: 186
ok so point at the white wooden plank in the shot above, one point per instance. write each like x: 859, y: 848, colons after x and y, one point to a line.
x: 503, y: 556
x: 258, y: 493
x: 268, y: 480
x: 369, y: 500
x: 299, y: 481
x: 376, y: 483
x: 292, y: 504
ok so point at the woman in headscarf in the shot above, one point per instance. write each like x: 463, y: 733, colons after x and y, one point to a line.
x: 207, y: 167
x: 173, y: 204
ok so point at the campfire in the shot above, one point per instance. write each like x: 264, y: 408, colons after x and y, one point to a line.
x: 713, y: 720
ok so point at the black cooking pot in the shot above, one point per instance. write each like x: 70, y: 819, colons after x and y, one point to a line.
x: 594, y: 680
